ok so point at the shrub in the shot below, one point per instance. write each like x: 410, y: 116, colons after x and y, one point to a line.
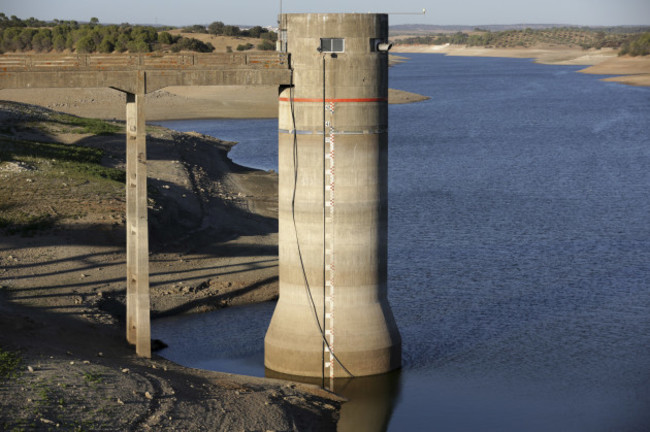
x: 195, y: 29
x: 266, y: 46
x: 9, y: 363
x: 191, y: 44
x: 639, y: 46
x: 244, y: 47
x: 165, y: 38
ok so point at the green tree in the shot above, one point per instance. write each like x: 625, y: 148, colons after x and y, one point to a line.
x: 195, y: 29
x: 165, y: 38
x: 231, y: 30
x: 33, y: 22
x: 61, y: 30
x: 216, y: 28
x: 42, y: 41
x: 121, y: 43
x: 97, y: 35
x: 256, y: 31
x: 58, y: 42
x: 459, y: 38
x: 106, y: 46
x: 85, y: 45
x: 10, y: 40
x: 138, y: 46
x: 25, y: 39
x: 145, y: 34
x: 269, y: 35
x: 16, y: 22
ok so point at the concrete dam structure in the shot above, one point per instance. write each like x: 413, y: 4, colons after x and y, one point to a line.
x: 136, y: 75
x: 333, y: 319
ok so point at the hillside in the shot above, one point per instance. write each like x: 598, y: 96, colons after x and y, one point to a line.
x: 424, y: 29
x: 566, y: 37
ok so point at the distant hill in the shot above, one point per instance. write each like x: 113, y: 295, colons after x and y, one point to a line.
x: 414, y: 29
x: 433, y: 28
x: 632, y: 40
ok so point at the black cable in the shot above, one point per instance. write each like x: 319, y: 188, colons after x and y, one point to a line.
x: 324, y: 227
x: 293, y: 216
x: 295, y: 227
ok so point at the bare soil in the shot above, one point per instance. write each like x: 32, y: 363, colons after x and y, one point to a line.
x: 221, y: 43
x: 631, y: 70
x: 171, y: 103
x: 213, y: 228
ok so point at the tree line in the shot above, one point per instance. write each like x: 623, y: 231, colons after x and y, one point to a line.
x: 17, y: 35
x: 638, y: 46
x: 632, y: 43
x: 218, y: 28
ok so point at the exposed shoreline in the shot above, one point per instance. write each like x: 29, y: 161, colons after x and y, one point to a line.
x: 628, y: 70
x: 172, y: 103
x: 213, y: 244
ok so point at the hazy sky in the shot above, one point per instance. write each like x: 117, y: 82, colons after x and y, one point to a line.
x: 264, y: 12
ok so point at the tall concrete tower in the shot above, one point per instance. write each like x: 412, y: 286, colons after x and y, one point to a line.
x: 333, y: 318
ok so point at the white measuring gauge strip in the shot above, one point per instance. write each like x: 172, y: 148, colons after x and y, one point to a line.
x: 330, y: 181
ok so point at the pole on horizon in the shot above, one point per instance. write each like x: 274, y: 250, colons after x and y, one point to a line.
x: 424, y: 11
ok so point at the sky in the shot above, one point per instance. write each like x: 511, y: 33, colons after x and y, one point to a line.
x: 264, y: 12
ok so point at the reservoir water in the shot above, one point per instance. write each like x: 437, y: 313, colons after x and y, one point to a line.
x: 519, y: 253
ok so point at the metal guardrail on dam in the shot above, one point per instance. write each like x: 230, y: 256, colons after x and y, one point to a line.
x: 161, y: 70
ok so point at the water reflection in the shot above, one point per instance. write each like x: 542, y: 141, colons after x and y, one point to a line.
x: 371, y: 399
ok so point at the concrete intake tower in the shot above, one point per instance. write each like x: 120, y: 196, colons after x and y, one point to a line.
x: 333, y: 319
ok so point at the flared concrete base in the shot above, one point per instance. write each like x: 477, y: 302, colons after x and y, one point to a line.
x: 368, y: 342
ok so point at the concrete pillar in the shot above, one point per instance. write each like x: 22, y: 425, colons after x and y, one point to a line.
x: 333, y: 319
x: 138, y: 331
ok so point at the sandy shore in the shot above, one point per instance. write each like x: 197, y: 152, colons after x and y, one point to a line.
x: 172, y: 103
x: 630, y: 70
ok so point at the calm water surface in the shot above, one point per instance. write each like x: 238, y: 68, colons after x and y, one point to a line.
x: 519, y: 253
